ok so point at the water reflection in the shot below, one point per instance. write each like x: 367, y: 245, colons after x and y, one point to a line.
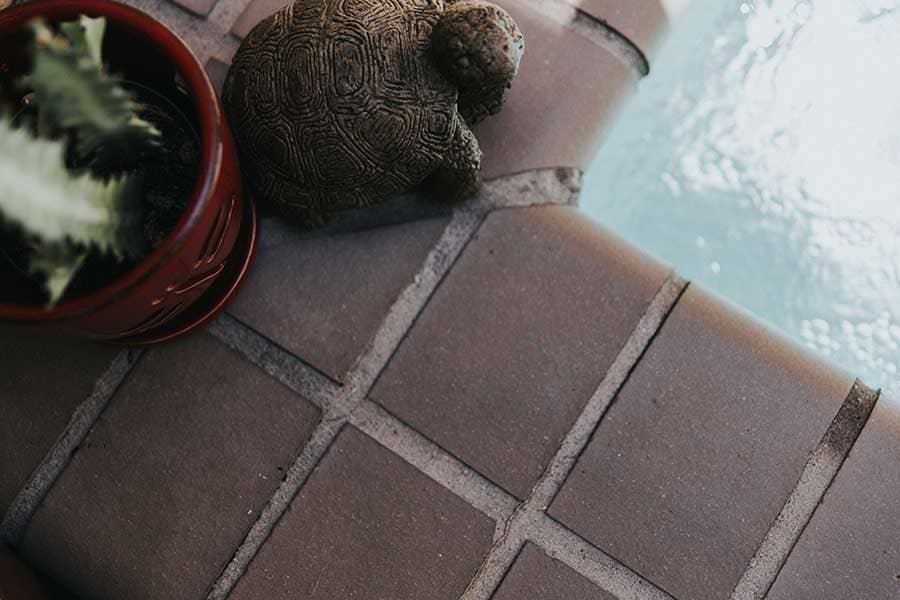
x: 762, y: 158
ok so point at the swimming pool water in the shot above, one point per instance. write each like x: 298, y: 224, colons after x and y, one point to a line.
x: 761, y: 157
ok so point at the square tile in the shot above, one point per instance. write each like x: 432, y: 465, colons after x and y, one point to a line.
x: 323, y: 298
x: 851, y: 546
x: 171, y: 478
x: 696, y: 456
x: 43, y: 379
x: 536, y: 576
x: 517, y: 338
x: 368, y: 525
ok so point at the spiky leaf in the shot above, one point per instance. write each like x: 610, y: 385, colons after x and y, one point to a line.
x: 58, y: 264
x: 72, y: 91
x: 38, y: 194
x: 86, y: 37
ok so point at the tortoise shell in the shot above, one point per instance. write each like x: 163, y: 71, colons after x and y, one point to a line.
x: 338, y: 104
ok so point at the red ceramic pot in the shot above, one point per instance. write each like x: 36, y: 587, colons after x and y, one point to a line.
x: 191, y: 275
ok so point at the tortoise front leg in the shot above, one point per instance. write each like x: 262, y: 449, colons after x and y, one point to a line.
x: 478, y: 46
x: 459, y: 177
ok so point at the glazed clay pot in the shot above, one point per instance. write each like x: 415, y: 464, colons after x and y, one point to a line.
x: 190, y: 276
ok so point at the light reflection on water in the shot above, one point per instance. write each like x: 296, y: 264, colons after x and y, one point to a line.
x: 762, y: 159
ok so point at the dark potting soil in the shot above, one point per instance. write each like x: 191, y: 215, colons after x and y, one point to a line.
x: 167, y: 175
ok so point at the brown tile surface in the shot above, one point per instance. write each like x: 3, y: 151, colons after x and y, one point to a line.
x: 42, y: 380
x: 324, y: 297
x: 170, y: 479
x: 700, y: 450
x: 517, y: 338
x: 558, y: 109
x: 198, y: 7
x: 256, y: 11
x: 368, y: 525
x: 643, y: 22
x: 536, y: 576
x: 851, y: 547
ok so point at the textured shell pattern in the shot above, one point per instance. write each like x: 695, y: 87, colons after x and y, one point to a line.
x: 338, y: 104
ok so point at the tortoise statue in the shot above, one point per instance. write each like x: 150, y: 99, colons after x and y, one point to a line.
x: 341, y: 104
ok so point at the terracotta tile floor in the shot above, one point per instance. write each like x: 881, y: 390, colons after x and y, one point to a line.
x: 500, y: 401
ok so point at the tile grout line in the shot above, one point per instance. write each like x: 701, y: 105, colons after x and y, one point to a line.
x: 579, y: 435
x: 432, y: 460
x: 274, y: 360
x: 555, y: 186
x: 225, y: 15
x: 529, y: 189
x: 203, y: 40
x: 566, y: 546
x: 313, y: 451
x: 369, y: 417
x: 531, y: 517
x: 411, y: 301
x: 403, y: 440
x: 342, y: 406
x: 815, y: 479
x: 32, y: 494
x: 337, y: 403
x: 436, y: 463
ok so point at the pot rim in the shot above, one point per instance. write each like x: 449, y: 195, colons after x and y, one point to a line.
x: 209, y: 116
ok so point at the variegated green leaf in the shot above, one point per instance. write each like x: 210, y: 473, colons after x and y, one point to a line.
x: 72, y: 91
x: 58, y: 264
x: 47, y: 202
x: 86, y: 37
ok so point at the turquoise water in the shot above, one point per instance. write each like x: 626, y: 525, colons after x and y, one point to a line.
x: 762, y: 159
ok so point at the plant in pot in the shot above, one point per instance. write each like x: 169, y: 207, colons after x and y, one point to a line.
x: 121, y: 212
x: 74, y: 164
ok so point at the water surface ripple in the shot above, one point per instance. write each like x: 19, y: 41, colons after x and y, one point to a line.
x: 762, y: 159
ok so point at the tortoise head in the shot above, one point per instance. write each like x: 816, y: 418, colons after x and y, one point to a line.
x: 477, y: 45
